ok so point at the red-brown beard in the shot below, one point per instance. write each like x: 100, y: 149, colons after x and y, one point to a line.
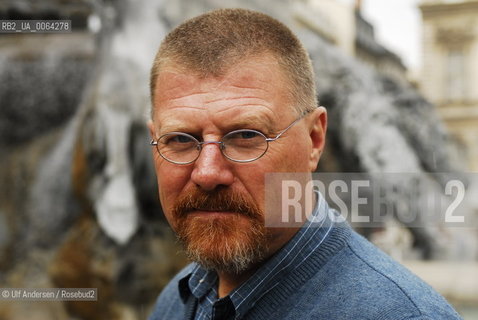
x: 230, y: 243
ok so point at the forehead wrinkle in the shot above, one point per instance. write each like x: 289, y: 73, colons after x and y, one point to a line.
x: 165, y: 116
x: 185, y: 107
x: 190, y: 94
x: 248, y: 87
x: 181, y: 98
x: 244, y: 107
x: 235, y: 98
x: 246, y: 82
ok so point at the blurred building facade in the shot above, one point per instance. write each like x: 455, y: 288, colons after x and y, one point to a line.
x: 342, y: 24
x: 450, y: 68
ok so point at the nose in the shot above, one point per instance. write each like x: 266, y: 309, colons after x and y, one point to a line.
x: 212, y: 169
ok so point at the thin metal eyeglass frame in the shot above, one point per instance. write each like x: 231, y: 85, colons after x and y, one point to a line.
x: 221, y: 144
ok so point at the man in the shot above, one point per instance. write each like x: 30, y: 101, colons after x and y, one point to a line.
x: 234, y: 98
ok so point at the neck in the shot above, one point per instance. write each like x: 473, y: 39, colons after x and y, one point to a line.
x: 230, y: 281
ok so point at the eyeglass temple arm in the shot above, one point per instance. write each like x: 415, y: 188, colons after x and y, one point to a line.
x: 290, y: 125
x: 153, y: 143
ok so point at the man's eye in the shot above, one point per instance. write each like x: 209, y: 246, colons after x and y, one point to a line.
x: 244, y: 139
x: 244, y: 135
x: 181, y: 139
x: 177, y: 139
x: 249, y: 134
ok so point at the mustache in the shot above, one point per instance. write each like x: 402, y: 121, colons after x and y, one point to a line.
x: 218, y: 200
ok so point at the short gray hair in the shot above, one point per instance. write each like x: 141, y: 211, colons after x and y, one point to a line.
x: 208, y: 44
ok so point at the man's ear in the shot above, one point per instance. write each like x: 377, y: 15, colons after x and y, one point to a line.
x: 317, y: 130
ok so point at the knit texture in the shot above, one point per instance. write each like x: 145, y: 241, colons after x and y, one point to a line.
x: 344, y: 277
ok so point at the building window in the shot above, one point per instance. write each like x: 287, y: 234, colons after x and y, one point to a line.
x: 455, y: 81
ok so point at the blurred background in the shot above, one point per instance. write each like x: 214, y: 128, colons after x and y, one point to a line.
x: 78, y: 195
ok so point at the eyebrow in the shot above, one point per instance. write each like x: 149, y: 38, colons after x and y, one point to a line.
x: 261, y: 123
x: 175, y: 126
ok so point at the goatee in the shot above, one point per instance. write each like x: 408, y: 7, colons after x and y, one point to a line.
x: 231, y: 243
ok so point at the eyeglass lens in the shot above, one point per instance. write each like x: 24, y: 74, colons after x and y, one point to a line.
x: 239, y: 145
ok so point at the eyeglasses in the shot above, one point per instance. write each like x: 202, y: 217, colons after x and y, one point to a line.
x: 242, y: 145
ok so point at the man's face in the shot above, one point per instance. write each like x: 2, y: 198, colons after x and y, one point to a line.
x: 215, y: 205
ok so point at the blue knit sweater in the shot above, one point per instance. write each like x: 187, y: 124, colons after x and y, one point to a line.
x: 345, y: 278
